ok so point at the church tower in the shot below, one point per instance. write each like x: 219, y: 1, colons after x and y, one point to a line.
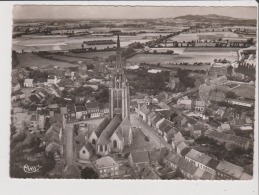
x: 119, y: 91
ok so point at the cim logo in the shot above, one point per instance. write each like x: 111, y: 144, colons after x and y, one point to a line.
x: 31, y: 169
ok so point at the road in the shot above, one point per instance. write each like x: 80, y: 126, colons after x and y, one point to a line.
x: 156, y: 139
x: 69, y: 154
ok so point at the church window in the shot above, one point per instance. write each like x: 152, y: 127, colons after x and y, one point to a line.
x: 83, y: 151
x: 93, y: 141
x: 114, y: 143
x: 101, y: 148
x: 105, y: 148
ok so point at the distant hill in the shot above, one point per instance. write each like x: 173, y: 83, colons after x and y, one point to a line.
x: 216, y: 18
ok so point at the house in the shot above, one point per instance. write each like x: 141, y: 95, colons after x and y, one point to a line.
x: 197, y: 130
x: 161, y: 97
x: 168, y: 114
x: 106, y: 167
x: 224, y: 138
x: 225, y: 127
x: 139, y: 160
x: 200, y: 160
x: 93, y: 108
x: 52, y: 79
x: 245, y: 176
x: 228, y: 171
x: 84, y: 151
x: 81, y: 112
x: 28, y: 83
x: 149, y: 173
x: 71, y: 112
x: 16, y: 87
x: 105, y: 110
x: 150, y: 116
x: 180, y: 121
x: 185, y: 104
x: 181, y: 147
x: 190, y: 121
x: 169, y: 135
x: 143, y: 112
x: 39, y: 82
x: 53, y: 109
x: 178, y: 138
x: 173, y: 160
x: 217, y: 96
x: 155, y: 120
x: 187, y: 169
x: 53, y: 139
x: 199, y: 105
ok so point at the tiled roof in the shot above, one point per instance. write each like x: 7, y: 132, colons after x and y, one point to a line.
x: 198, y: 156
x: 151, y: 115
x: 109, y: 130
x: 181, y: 146
x: 149, y: 173
x: 174, y: 158
x: 213, y: 163
x: 228, y: 137
x: 188, y: 167
x: 106, y: 161
x: 207, y: 176
x: 229, y: 168
x: 63, y: 110
x: 144, y: 109
x: 101, y: 127
x: 246, y: 176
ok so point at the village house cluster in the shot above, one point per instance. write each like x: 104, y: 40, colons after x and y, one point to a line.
x: 93, y: 116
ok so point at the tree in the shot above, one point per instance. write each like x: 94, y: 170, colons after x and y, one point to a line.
x: 231, y: 94
x: 89, y: 173
x: 15, y: 60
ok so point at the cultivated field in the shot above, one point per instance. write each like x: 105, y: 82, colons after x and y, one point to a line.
x: 203, y: 35
x: 187, y: 55
x: 246, y: 91
x: 29, y: 59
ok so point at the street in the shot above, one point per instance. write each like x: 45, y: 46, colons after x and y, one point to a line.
x: 157, y: 140
x: 69, y: 156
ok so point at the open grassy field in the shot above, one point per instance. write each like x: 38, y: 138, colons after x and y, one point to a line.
x: 187, y: 55
x: 202, y: 35
x: 29, y: 59
x: 246, y: 91
x: 102, y: 54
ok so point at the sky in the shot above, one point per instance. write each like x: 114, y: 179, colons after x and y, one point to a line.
x: 125, y: 12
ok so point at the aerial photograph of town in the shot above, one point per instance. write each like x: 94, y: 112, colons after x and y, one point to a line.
x: 147, y: 93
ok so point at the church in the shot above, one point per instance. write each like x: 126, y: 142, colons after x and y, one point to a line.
x: 115, y: 132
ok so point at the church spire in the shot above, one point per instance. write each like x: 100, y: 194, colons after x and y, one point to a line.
x: 118, y: 55
x: 118, y: 42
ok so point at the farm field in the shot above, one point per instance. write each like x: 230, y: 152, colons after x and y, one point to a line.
x: 102, y: 54
x: 188, y: 55
x: 45, y: 43
x: 29, y: 59
x: 246, y: 91
x: 202, y: 35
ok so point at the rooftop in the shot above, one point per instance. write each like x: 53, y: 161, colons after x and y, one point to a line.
x: 229, y: 168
